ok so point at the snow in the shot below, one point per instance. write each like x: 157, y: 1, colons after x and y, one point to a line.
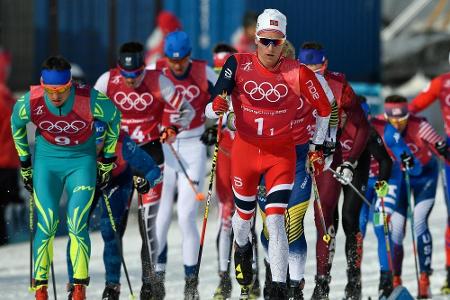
x: 14, y: 261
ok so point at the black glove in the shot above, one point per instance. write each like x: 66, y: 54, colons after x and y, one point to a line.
x: 209, y: 137
x: 104, y: 172
x: 407, y: 161
x: 328, y: 148
x: 26, y: 171
x: 442, y: 148
x: 141, y: 185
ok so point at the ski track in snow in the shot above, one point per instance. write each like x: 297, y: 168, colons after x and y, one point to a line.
x: 14, y: 266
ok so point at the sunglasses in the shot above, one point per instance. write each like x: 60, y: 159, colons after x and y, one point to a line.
x: 398, y: 120
x: 56, y: 89
x: 266, y: 41
x: 131, y: 74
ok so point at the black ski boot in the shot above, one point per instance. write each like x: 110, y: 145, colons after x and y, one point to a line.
x: 223, y: 291
x: 243, y: 264
x: 385, y: 287
x: 296, y: 290
x: 111, y: 291
x: 353, y: 287
x: 278, y: 291
x: 322, y: 287
x: 268, y: 281
x: 190, y: 288
x: 146, y: 292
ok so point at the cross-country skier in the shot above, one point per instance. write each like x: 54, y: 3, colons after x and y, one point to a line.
x: 141, y: 95
x: 265, y: 89
x: 439, y: 88
x: 422, y: 140
x: 194, y: 79
x: 65, y: 156
x: 352, y: 118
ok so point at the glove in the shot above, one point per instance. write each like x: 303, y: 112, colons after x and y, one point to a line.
x: 316, y: 161
x: 155, y: 176
x: 26, y: 171
x: 328, y: 148
x: 345, y: 172
x: 168, y: 135
x: 141, y: 185
x: 186, y: 115
x: 209, y: 137
x: 231, y: 121
x: 407, y: 161
x: 104, y: 172
x: 442, y: 148
x: 220, y: 104
x: 381, y: 188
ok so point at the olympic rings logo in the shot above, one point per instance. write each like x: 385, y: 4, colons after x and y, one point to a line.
x: 189, y: 93
x: 265, y: 90
x: 62, y: 126
x: 133, y: 100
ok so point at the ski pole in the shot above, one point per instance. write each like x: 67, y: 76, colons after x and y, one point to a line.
x: 411, y: 215
x: 386, y: 235
x: 199, y: 196
x: 208, y: 198
x: 116, y: 236
x: 353, y: 187
x: 31, y: 208
x: 326, y: 237
x: 53, y: 280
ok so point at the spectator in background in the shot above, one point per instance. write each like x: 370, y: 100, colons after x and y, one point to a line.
x: 166, y: 22
x: 244, y: 37
x: 9, y: 163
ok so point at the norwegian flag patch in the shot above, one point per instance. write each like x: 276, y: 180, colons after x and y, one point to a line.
x: 274, y: 22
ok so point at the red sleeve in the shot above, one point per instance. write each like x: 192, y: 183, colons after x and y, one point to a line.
x: 355, y: 115
x: 426, y: 96
x: 312, y: 90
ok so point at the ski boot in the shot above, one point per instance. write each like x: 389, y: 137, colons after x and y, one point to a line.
x: 41, y: 293
x: 243, y: 266
x: 385, y: 286
x: 223, y: 291
x: 79, y: 292
x: 322, y: 287
x: 255, y: 290
x: 353, y: 287
x: 424, y: 286
x: 190, y: 288
x: 295, y: 291
x: 397, y: 281
x: 445, y: 289
x: 278, y: 291
x: 268, y: 281
x: 111, y: 291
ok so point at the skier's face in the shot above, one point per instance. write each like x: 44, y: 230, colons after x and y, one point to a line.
x: 57, y: 95
x: 269, y: 47
x: 399, y: 122
x: 318, y: 68
x: 179, y: 66
x: 133, y: 81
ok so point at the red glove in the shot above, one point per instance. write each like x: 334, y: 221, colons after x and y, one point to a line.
x: 316, y: 162
x: 220, y: 105
x: 168, y: 135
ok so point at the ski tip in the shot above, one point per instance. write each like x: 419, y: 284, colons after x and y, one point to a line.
x: 132, y: 297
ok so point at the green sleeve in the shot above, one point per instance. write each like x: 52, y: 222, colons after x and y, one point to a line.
x: 105, y: 111
x: 19, y: 119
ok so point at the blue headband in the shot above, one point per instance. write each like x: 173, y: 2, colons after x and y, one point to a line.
x: 55, y: 77
x: 311, y: 56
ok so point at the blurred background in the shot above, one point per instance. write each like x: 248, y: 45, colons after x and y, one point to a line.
x: 383, y: 47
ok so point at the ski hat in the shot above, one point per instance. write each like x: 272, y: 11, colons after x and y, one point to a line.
x: 129, y: 61
x: 168, y: 22
x: 312, y: 56
x: 177, y: 45
x: 271, y: 20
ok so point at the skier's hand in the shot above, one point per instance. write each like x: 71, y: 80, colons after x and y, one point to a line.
x: 407, y: 161
x: 209, y: 137
x: 345, y: 172
x: 104, y: 172
x: 231, y: 121
x: 381, y: 188
x: 168, y: 135
x: 442, y: 149
x: 220, y: 104
x: 315, y: 161
x: 154, y: 177
x: 185, y: 116
x: 141, y: 185
x: 26, y: 171
x: 328, y: 148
